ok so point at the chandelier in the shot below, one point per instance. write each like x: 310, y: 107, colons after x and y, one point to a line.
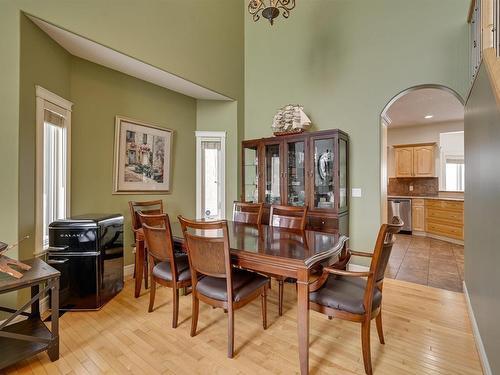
x: 270, y: 9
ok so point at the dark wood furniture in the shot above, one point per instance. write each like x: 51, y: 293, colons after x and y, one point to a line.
x: 249, y: 213
x: 289, y: 217
x: 349, y: 296
x: 28, y: 337
x: 215, y: 280
x: 310, y: 169
x: 141, y: 262
x: 165, y: 267
x: 286, y: 253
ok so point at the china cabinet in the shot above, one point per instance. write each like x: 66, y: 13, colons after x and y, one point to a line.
x: 301, y: 169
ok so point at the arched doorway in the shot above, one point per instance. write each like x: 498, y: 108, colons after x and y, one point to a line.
x: 422, y: 162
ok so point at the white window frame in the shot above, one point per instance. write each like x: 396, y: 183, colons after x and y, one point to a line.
x: 211, y: 136
x: 48, y: 100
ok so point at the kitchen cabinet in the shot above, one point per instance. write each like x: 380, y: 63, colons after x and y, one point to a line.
x: 415, y: 160
x: 418, y: 215
x: 445, y: 218
x: 309, y: 168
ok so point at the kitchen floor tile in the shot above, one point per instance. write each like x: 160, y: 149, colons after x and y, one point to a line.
x: 427, y: 261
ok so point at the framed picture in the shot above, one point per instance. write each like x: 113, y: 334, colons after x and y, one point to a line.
x: 142, y: 157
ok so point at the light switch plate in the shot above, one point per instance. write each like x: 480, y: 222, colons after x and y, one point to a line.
x: 356, y: 192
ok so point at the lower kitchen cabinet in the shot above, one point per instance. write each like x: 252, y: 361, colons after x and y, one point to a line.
x: 444, y: 218
x: 418, y: 215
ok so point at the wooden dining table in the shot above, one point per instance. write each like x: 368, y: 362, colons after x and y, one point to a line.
x: 276, y: 251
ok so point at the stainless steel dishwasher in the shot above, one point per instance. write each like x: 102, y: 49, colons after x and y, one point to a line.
x: 400, y: 207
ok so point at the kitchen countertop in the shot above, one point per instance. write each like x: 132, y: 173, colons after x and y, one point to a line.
x: 458, y: 199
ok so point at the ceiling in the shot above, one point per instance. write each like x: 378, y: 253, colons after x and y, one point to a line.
x: 108, y: 57
x: 411, y: 108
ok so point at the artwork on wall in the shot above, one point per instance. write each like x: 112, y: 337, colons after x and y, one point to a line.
x: 142, y: 157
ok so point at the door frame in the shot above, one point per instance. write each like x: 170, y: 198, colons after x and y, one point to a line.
x: 212, y: 136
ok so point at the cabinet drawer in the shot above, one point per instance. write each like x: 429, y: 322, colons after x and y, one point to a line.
x: 444, y: 229
x: 445, y: 205
x: 323, y: 224
x: 454, y: 217
x: 417, y: 202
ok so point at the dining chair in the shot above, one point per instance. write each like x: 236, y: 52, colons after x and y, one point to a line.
x: 288, y: 217
x: 248, y: 213
x: 215, y: 281
x: 357, y: 296
x: 166, y: 268
x: 146, y: 207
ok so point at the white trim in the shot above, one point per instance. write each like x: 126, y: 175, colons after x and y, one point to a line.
x: 46, y: 100
x: 477, y: 336
x: 219, y: 136
x: 53, y: 98
x: 446, y: 239
x: 128, y: 271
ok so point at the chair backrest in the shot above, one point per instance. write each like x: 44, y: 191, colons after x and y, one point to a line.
x: 381, y: 255
x: 151, y: 220
x: 288, y: 217
x: 249, y: 213
x: 207, y: 244
x: 147, y: 208
x: 159, y: 242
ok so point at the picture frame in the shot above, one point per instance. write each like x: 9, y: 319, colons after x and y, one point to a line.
x: 142, y: 157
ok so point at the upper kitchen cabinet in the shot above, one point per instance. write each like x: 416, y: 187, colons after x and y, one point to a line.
x: 415, y: 160
x: 300, y: 169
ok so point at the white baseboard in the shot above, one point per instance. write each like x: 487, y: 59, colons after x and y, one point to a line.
x: 128, y: 271
x: 357, y: 268
x: 485, y: 364
x: 447, y: 239
x: 44, y: 304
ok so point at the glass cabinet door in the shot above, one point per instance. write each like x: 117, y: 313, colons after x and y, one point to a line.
x: 324, y: 168
x: 295, y: 173
x: 272, y: 170
x: 251, y: 174
x: 342, y: 174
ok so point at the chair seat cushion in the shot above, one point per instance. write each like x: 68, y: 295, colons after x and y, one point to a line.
x: 345, y: 293
x: 162, y: 269
x: 244, y: 283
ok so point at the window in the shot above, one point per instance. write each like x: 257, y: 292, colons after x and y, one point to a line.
x: 210, y: 175
x: 454, y: 174
x: 53, y: 162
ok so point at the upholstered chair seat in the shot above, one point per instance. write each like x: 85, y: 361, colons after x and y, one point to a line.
x: 345, y: 294
x: 244, y: 284
x: 162, y: 270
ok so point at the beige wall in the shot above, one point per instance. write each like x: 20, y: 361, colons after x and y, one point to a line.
x: 418, y: 134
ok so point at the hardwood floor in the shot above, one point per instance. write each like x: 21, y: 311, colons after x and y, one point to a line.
x: 427, y: 261
x: 427, y: 331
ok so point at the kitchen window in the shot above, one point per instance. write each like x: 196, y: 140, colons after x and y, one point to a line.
x: 53, y: 134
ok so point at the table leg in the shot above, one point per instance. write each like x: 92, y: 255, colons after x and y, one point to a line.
x: 303, y: 320
x: 35, y: 306
x: 139, y: 266
x: 53, y: 350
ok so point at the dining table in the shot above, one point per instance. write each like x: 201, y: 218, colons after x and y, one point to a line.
x: 272, y: 250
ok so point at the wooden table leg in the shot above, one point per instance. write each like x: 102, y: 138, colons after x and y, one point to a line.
x: 53, y: 349
x: 139, y: 266
x: 303, y: 319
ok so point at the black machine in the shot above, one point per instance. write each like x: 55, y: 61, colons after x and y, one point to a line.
x: 88, y: 251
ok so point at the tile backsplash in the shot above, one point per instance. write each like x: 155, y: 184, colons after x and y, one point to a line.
x: 425, y: 186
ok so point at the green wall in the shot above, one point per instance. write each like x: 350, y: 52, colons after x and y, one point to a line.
x: 44, y: 63
x: 194, y: 40
x: 482, y: 189
x: 344, y: 60
x: 99, y: 95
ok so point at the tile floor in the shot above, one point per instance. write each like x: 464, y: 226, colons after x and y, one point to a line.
x: 427, y: 261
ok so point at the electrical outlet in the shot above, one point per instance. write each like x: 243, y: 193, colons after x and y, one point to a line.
x: 356, y: 192
x: 411, y: 187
